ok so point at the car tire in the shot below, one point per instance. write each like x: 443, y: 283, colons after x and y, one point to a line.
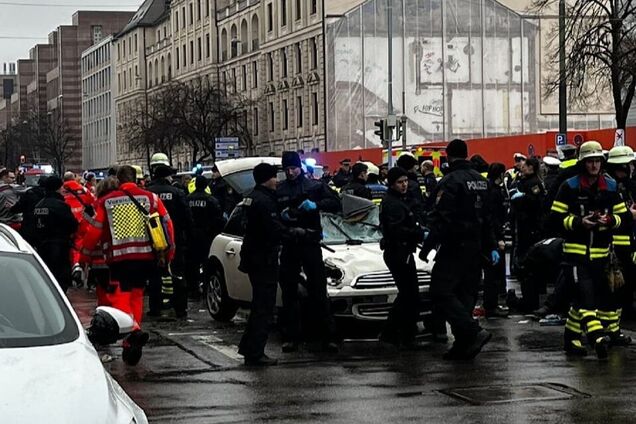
x: 217, y: 301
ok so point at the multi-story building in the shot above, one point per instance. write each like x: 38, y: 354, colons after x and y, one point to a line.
x: 9, y: 81
x: 98, y: 105
x: 42, y: 56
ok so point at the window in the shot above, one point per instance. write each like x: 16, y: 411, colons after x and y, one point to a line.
x: 233, y: 80
x: 119, y: 81
x: 97, y: 34
x: 199, y: 54
x: 314, y: 6
x: 176, y: 21
x: 129, y: 46
x: 183, y: 55
x: 244, y: 76
x: 135, y: 42
x: 255, y: 121
x: 207, y: 45
x: 314, y: 53
x: 124, y: 43
x: 314, y: 108
x: 190, y: 6
x: 183, y: 17
x: 271, y: 117
x: 283, y: 12
x: 207, y: 8
x: 285, y: 115
x: 191, y: 52
x: 124, y: 79
x: 283, y: 62
x: 118, y: 51
x: 158, y: 35
x: 270, y: 67
x: 136, y: 75
x: 298, y: 10
x: 254, y: 74
x: 177, y: 57
x: 270, y: 18
x: 198, y: 10
x: 299, y: 59
x: 299, y: 111
x: 237, y: 223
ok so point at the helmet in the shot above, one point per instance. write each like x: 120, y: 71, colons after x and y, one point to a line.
x: 371, y: 168
x: 519, y: 157
x: 139, y: 172
x: 159, y: 159
x: 620, y: 155
x: 590, y: 149
x: 551, y: 161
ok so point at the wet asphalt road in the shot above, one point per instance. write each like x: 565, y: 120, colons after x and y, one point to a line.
x: 191, y: 373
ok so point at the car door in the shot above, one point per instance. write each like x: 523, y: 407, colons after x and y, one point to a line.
x: 229, y: 253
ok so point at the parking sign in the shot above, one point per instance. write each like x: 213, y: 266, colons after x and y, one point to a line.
x: 560, y: 139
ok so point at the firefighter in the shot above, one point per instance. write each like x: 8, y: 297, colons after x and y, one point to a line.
x: 300, y: 201
x: 619, y: 167
x: 401, y: 234
x: 120, y: 226
x: 460, y: 225
x: 378, y: 191
x: 588, y: 210
x: 55, y: 226
x: 358, y: 184
x: 207, y: 223
x: 174, y: 200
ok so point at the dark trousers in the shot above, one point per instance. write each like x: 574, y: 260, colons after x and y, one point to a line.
x: 55, y: 255
x: 401, y: 324
x: 455, y: 280
x: 494, y: 282
x: 179, y: 297
x: 293, y: 258
x: 564, y: 291
x: 264, y: 286
x: 198, y: 252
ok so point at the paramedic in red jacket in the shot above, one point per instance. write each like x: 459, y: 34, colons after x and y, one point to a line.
x: 120, y: 228
x: 78, y: 198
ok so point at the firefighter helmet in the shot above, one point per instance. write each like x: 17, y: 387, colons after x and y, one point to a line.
x: 590, y: 149
x: 620, y: 155
x: 159, y: 159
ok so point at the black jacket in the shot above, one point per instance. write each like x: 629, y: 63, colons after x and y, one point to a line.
x: 341, y: 178
x: 226, y: 196
x: 207, y: 216
x: 528, y: 209
x: 461, y: 217
x: 291, y: 193
x: 358, y: 188
x: 174, y: 200
x: 54, y: 221
x: 401, y: 228
x: 498, y: 208
x: 26, y: 206
x: 430, y: 185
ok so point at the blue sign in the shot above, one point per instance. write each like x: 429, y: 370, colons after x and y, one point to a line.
x: 561, y: 139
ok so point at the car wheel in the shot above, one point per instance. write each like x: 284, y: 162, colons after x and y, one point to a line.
x: 219, y: 304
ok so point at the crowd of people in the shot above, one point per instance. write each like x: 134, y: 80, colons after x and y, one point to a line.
x: 569, y: 222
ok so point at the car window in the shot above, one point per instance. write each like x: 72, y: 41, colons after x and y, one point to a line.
x: 243, y: 181
x: 237, y: 223
x: 32, y: 312
x: 365, y: 228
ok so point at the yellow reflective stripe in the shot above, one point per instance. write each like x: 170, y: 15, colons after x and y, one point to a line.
x: 573, y: 327
x: 376, y: 201
x: 587, y: 313
x: 559, y: 207
x: 599, y: 255
x: 572, y: 313
x: 568, y: 222
x: 577, y: 343
x: 620, y: 237
x: 619, y: 208
x: 594, y: 326
x: 602, y: 315
x: 580, y: 249
x: 618, y: 220
x: 599, y: 249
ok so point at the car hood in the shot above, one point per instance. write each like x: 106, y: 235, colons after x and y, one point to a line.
x: 362, y: 259
x: 60, y: 384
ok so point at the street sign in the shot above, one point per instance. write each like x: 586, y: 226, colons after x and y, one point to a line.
x: 560, y: 139
x: 227, y: 154
x: 226, y: 143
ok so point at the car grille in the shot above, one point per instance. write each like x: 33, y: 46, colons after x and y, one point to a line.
x: 385, y: 279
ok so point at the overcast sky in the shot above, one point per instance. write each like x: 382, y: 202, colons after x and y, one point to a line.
x: 37, y: 21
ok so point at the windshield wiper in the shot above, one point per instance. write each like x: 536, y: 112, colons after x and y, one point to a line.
x: 350, y: 240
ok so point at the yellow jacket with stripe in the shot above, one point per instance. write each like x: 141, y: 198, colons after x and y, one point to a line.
x: 578, y: 198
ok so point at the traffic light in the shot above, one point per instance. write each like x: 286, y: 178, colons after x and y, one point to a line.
x: 380, y: 132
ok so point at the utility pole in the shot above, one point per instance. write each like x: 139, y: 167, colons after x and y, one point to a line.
x: 563, y: 109
x: 390, y: 117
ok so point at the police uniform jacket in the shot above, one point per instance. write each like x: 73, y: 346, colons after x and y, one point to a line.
x: 54, y: 220
x: 341, y: 178
x: 527, y: 208
x: 401, y: 229
x: 174, y: 199
x: 578, y: 198
x: 461, y: 217
x: 207, y: 216
x: 357, y: 187
x: 291, y: 193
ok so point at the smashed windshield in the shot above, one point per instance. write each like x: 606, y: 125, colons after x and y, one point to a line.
x: 364, y: 229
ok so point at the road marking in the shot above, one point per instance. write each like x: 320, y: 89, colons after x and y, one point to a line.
x: 231, y: 351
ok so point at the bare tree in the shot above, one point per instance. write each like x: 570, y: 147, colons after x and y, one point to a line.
x: 600, y: 51
x: 53, y: 139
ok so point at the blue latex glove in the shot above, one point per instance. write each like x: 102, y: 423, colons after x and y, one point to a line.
x: 494, y: 256
x: 517, y: 195
x: 308, y: 205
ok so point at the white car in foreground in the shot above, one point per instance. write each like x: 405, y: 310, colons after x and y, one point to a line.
x: 50, y: 371
x: 359, y: 284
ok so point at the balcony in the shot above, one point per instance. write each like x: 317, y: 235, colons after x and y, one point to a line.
x: 162, y: 44
x: 234, y: 8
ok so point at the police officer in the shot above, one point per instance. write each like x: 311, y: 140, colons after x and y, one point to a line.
x: 401, y: 234
x: 460, y: 224
x: 208, y: 222
x: 408, y: 162
x: 358, y: 184
x: 300, y: 201
x: 26, y: 206
x: 430, y: 183
x: 259, y: 259
x: 175, y: 202
x: 54, y: 228
x: 343, y: 176
x: 378, y: 190
x: 588, y: 210
x: 511, y: 177
x: 221, y: 190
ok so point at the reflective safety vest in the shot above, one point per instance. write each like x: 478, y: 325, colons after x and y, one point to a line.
x: 576, y: 200
x: 192, y: 185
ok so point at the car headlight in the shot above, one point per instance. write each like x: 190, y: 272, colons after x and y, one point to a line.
x: 334, y: 274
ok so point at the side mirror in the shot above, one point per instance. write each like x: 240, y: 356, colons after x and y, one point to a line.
x: 109, y: 325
